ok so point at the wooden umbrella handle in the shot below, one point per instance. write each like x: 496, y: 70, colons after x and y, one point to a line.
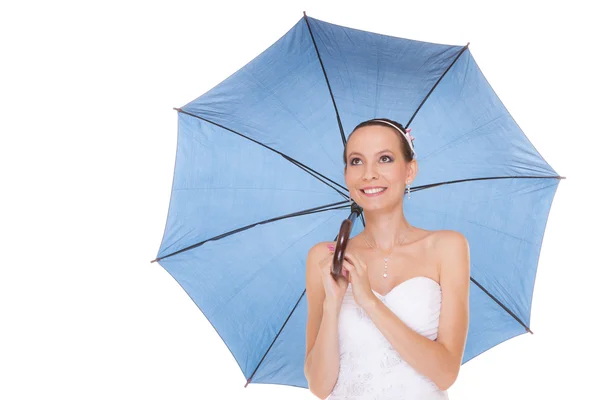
x: 342, y: 240
x: 340, y: 248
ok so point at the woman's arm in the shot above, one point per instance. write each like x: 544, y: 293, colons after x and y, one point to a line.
x: 322, y: 362
x: 438, y: 360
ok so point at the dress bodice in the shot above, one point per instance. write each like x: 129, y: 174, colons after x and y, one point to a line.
x: 370, y: 368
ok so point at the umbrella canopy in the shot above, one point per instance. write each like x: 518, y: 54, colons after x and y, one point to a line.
x: 259, y: 180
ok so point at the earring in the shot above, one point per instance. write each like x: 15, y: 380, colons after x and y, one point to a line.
x: 408, y: 186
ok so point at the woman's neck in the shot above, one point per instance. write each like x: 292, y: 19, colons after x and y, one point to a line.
x: 385, y: 230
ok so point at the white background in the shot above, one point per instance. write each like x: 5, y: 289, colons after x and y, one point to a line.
x: 87, y: 152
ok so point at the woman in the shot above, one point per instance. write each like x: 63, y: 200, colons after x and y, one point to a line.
x: 394, y: 325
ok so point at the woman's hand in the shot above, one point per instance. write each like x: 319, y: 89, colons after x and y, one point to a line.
x: 361, y: 286
x: 335, y: 289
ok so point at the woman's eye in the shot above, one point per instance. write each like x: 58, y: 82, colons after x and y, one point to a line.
x: 389, y: 159
x: 354, y: 161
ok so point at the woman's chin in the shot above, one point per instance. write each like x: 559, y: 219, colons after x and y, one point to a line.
x: 376, y: 204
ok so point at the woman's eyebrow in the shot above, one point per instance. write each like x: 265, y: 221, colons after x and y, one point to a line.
x: 359, y: 154
x: 354, y: 153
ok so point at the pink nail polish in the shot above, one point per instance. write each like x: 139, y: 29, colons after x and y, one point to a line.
x: 330, y: 247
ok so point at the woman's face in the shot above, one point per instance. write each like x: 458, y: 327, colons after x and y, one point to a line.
x: 376, y: 173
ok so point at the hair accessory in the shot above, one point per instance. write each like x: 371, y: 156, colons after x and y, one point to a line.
x: 405, y: 133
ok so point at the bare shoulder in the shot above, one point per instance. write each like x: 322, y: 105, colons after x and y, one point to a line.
x: 452, y: 251
x: 448, y: 238
x: 319, y: 247
x: 317, y: 251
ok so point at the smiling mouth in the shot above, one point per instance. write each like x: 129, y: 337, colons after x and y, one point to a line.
x: 373, y: 191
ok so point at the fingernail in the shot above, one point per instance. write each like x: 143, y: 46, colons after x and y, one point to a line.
x: 330, y: 247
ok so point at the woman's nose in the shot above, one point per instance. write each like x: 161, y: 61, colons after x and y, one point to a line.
x: 370, y: 172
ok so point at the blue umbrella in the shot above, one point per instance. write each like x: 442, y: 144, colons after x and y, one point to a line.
x: 259, y: 180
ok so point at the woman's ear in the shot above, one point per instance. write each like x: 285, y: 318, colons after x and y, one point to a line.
x: 412, y: 170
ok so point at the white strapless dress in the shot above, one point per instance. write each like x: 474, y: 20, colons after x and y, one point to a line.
x: 370, y: 368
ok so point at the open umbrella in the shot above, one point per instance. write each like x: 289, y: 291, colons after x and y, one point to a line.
x: 259, y: 180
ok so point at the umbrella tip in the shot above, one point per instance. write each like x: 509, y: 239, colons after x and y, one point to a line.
x: 155, y: 260
x: 177, y: 109
x: 247, y: 382
x: 304, y: 12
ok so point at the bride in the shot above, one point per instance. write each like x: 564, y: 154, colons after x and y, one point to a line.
x: 394, y: 325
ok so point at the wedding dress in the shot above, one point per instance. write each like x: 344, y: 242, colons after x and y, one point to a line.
x: 370, y: 368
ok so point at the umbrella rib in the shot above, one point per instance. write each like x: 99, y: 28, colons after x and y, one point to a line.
x: 275, y: 338
x: 355, y: 209
x: 327, y: 207
x: 437, y: 83
x: 314, y: 173
x: 431, y: 185
x: 305, y: 168
x: 337, y: 114
x: 512, y: 314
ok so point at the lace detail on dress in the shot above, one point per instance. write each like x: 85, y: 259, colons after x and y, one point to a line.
x: 370, y: 368
x: 390, y: 358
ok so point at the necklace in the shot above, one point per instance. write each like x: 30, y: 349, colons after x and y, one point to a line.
x: 385, y: 259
